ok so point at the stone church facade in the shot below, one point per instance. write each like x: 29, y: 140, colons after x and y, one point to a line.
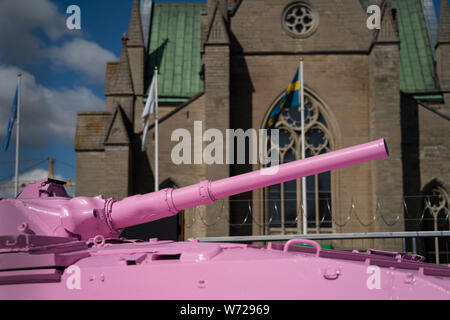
x: 227, y: 64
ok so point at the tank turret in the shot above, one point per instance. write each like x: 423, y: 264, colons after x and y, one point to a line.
x: 56, y: 247
x: 44, y: 208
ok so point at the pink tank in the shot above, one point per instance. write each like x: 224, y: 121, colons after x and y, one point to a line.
x: 56, y: 247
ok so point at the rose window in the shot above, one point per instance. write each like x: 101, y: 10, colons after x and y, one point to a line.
x: 299, y: 20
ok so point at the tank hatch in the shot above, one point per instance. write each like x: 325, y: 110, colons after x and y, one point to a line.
x: 44, y: 188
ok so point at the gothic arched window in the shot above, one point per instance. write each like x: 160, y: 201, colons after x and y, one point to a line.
x: 436, y: 218
x: 283, y: 201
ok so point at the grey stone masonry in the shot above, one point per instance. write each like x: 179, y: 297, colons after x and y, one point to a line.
x: 217, y: 104
x: 443, y: 48
x: 136, y: 50
x: 118, y: 132
x: 385, y: 122
x: 444, y: 22
x: 123, y: 83
x: 388, y: 31
x: 110, y: 76
x: 91, y: 130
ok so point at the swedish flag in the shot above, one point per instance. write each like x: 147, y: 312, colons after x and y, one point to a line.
x: 290, y: 99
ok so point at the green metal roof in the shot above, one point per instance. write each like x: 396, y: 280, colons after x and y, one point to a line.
x: 429, y: 97
x: 417, y: 74
x: 417, y: 71
x: 175, y: 49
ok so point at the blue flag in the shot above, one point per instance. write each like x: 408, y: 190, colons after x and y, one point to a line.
x: 12, y: 118
x: 290, y: 99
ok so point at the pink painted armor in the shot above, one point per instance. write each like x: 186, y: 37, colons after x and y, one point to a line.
x: 56, y: 247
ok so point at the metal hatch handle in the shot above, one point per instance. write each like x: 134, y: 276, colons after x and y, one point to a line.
x: 303, y: 241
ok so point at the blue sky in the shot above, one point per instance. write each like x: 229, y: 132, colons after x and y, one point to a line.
x: 63, y: 73
x: 34, y: 39
x: 437, y: 5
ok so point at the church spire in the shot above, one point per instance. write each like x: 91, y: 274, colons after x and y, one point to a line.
x: 388, y: 31
x: 375, y: 2
x: 444, y: 22
x: 135, y: 35
x: 217, y: 33
x: 123, y: 83
x: 218, y: 5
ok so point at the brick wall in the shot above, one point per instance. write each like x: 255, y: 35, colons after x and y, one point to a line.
x: 385, y: 122
x: 434, y: 148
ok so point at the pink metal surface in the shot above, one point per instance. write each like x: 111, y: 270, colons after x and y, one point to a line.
x: 303, y: 241
x: 153, y: 206
x: 46, y: 209
x: 301, y: 168
x: 55, y: 247
x: 210, y: 271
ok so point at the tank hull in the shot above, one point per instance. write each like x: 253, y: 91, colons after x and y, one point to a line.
x: 164, y: 270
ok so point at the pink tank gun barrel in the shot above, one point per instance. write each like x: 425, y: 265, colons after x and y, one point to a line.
x: 153, y: 206
x: 43, y: 232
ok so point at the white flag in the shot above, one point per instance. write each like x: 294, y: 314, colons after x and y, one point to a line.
x: 149, y: 109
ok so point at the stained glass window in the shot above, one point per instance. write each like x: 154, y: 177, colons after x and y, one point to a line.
x: 283, y: 201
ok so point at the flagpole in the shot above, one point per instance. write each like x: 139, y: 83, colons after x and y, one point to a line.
x: 302, y: 104
x: 16, y: 184
x: 156, y: 133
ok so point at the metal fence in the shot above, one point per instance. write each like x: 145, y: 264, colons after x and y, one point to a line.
x: 417, y: 211
x: 412, y: 235
x: 428, y: 214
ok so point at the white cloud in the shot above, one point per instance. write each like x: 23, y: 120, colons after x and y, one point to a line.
x: 35, y: 32
x: 20, y: 44
x: 19, y: 21
x: 83, y: 57
x: 37, y: 174
x: 47, y: 115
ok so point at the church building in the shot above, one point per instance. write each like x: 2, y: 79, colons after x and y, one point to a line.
x: 226, y: 63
